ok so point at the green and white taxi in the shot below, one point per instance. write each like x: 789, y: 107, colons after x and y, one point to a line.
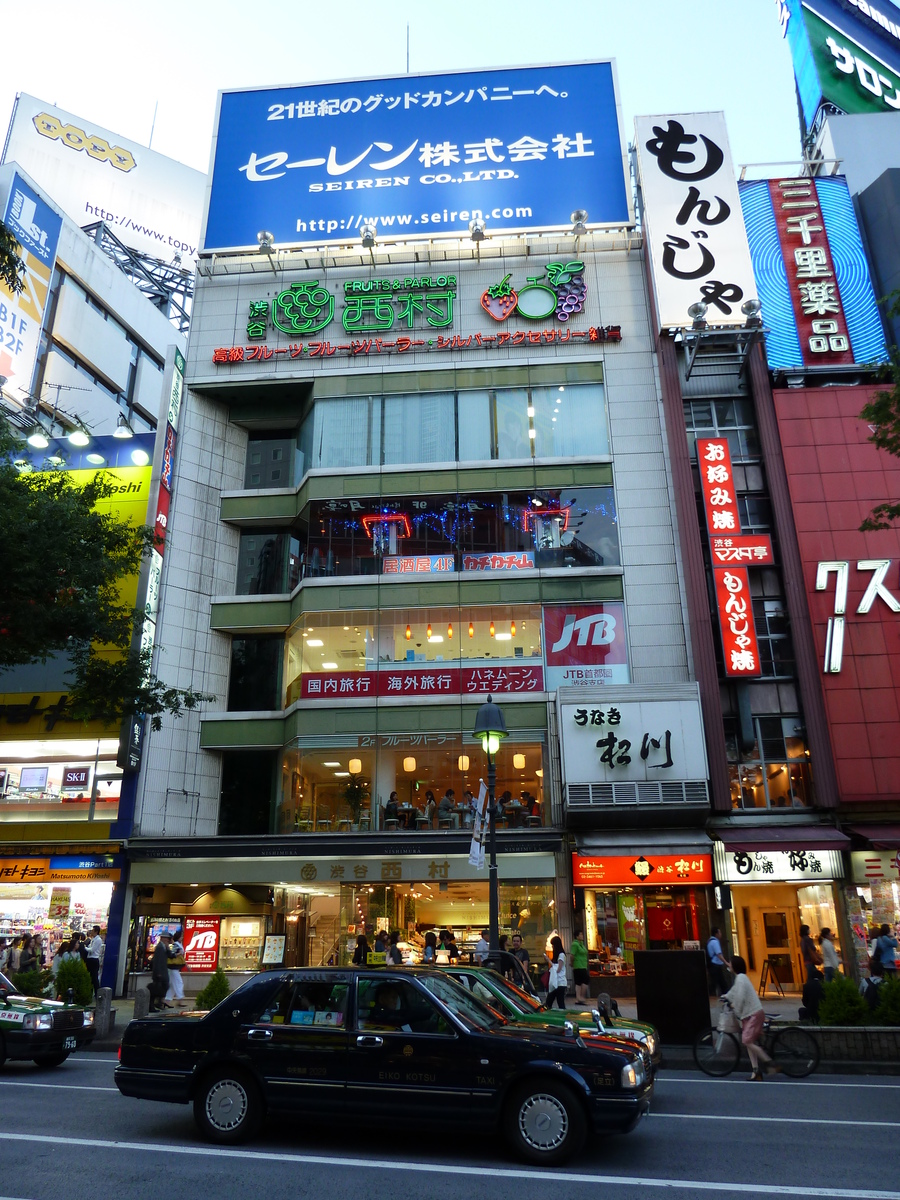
x: 46, y: 1031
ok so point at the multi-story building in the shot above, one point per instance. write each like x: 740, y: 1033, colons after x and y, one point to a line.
x: 410, y: 475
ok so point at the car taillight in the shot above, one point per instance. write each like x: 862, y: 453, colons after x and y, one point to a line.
x: 119, y: 1054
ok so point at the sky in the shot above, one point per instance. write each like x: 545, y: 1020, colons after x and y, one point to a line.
x: 112, y: 63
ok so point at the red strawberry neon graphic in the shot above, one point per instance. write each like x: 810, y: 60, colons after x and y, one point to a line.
x: 500, y: 300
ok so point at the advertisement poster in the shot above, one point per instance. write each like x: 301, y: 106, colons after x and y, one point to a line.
x: 60, y: 903
x: 631, y: 908
x: 36, y: 227
x: 201, y: 943
x: 273, y: 954
x: 419, y: 156
x: 585, y: 644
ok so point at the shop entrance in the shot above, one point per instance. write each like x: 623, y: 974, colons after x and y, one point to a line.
x: 765, y: 927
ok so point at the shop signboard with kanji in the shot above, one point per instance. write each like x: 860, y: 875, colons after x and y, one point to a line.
x: 201, y: 943
x: 776, y: 866
x: 875, y: 866
x: 692, y: 219
x: 640, y: 870
x: 585, y: 644
x: 740, y: 648
x: 417, y: 156
x: 846, y: 55
x: 631, y: 736
x: 817, y: 298
x: 422, y: 681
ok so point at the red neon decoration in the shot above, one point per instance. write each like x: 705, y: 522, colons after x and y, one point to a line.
x: 400, y: 519
x: 546, y: 512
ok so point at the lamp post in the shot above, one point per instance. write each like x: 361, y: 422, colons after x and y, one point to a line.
x: 490, y: 729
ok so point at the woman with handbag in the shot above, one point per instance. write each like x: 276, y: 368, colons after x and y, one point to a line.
x: 557, y: 981
x: 175, y: 990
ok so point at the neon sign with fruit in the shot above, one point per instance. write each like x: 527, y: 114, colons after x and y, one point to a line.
x: 562, y: 295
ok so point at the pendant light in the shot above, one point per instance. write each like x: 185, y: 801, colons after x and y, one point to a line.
x: 408, y: 633
x: 492, y: 627
x: 512, y: 628
x: 450, y: 630
x: 428, y: 631
x: 471, y: 629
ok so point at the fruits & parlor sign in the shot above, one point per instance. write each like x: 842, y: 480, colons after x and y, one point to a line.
x: 402, y: 315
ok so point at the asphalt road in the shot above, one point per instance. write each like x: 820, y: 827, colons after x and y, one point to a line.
x: 67, y: 1134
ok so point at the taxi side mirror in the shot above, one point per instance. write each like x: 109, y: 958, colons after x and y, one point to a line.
x: 598, y: 1020
x: 4, y: 996
x: 70, y: 996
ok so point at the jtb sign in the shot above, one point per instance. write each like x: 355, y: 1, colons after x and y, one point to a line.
x: 417, y: 156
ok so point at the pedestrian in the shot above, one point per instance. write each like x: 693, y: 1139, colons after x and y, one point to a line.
x: 61, y: 956
x: 15, y: 954
x: 746, y: 1006
x: 381, y: 941
x: 716, y: 961
x: 452, y: 948
x: 520, y: 952
x: 813, y: 991
x: 812, y: 959
x: 830, y: 956
x: 361, y: 953
x: 159, y: 972
x: 884, y: 951
x: 557, y: 981
x: 870, y: 989
x: 395, y: 955
x: 94, y: 956
x: 27, y: 957
x: 429, y: 954
x: 482, y: 948
x: 580, y: 969
x: 175, y: 964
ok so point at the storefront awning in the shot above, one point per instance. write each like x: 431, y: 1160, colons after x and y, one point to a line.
x: 784, y: 837
x: 655, y: 841
x: 880, y: 837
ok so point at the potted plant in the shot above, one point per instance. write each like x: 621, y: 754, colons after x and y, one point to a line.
x: 356, y: 794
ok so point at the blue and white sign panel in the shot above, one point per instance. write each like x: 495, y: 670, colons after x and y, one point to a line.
x: 419, y: 156
x: 853, y: 296
x: 33, y: 223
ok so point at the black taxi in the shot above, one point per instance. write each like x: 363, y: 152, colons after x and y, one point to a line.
x: 384, y: 1044
x: 46, y: 1031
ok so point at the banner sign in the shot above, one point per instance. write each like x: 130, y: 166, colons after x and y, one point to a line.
x: 739, y: 643
x: 418, y: 564
x: 479, y: 829
x: 64, y: 869
x: 201, y: 943
x: 692, y: 218
x: 776, y: 866
x: 754, y: 549
x: 813, y: 277
x: 585, y: 644
x: 422, y: 681
x: 36, y: 227
x: 643, y: 870
x: 151, y: 203
x: 60, y: 903
x: 658, y: 740
x: 418, y: 156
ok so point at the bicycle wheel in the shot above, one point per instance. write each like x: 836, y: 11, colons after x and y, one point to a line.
x: 795, y: 1051
x: 716, y: 1053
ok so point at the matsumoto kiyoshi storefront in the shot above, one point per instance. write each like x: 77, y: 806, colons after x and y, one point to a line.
x: 56, y: 895
x: 780, y: 879
x: 303, y: 909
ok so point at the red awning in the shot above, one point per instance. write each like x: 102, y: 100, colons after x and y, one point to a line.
x: 785, y: 837
x: 881, y: 837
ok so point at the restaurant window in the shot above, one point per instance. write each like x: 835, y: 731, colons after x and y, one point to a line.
x: 388, y: 783
x: 774, y: 772
x: 327, y: 646
x: 255, y: 681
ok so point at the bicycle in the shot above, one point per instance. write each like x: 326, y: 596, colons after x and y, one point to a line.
x: 717, y: 1052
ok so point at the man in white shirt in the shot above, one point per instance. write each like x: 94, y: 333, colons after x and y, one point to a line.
x: 94, y: 957
x: 482, y: 948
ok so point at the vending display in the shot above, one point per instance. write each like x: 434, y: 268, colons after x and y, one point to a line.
x: 241, y: 943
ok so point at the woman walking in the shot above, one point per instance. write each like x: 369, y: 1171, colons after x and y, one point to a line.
x: 556, y: 987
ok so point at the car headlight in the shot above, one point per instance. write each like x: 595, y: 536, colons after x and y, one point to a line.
x: 651, y: 1043
x: 633, y: 1074
x: 88, y: 1016
x: 38, y: 1021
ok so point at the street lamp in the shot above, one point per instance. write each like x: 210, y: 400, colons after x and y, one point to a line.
x: 490, y: 729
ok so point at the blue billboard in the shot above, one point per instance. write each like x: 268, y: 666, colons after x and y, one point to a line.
x: 32, y: 223
x: 419, y: 156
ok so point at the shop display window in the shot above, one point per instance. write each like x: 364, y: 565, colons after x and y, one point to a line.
x: 59, y: 780
x: 477, y: 425
x: 775, y: 771
x: 334, y: 787
x: 322, y: 644
x: 241, y: 943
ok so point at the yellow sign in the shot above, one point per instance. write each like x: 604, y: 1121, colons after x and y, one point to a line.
x: 60, y: 903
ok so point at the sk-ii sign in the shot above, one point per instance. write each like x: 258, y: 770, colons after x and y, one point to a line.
x: 419, y: 156
x: 585, y: 645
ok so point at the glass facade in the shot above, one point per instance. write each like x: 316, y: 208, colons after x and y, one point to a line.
x: 59, y: 780
x: 774, y: 772
x: 471, y: 425
x: 408, y: 782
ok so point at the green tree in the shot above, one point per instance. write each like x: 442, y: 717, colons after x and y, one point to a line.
x: 882, y: 413
x: 12, y: 267
x: 842, y: 1004
x: 214, y: 992
x: 62, y: 564
x: 75, y: 975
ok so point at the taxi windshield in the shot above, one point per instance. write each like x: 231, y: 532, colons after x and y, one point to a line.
x: 473, y: 1013
x: 6, y: 984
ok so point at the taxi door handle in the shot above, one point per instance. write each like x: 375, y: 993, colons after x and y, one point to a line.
x: 259, y: 1035
x: 369, y: 1043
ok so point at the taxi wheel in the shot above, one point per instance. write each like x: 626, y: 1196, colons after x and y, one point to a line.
x: 227, y: 1107
x: 545, y: 1122
x: 51, y: 1060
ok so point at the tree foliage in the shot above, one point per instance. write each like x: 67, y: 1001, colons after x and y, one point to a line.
x: 63, y: 562
x: 214, y: 992
x: 882, y: 413
x: 842, y: 1004
x: 12, y: 267
x: 75, y: 975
